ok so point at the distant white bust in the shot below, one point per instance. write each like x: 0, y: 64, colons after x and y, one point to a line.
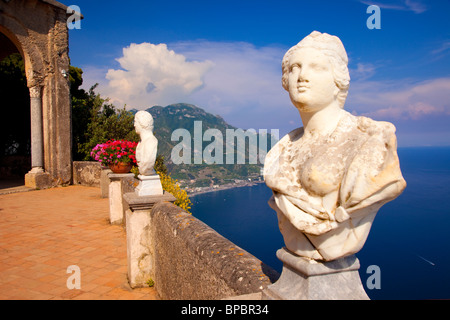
x: 330, y: 177
x: 147, y: 148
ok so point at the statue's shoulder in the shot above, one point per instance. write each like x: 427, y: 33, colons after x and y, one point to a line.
x: 374, y: 127
x: 283, y: 143
x: 292, y: 136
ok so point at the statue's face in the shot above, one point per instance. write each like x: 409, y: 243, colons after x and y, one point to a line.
x: 311, y: 82
x: 137, y: 127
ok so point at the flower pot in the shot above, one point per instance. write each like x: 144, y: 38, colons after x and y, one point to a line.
x: 120, y: 167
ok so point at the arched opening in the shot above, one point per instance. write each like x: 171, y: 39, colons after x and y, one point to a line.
x: 43, y: 44
x: 15, y: 132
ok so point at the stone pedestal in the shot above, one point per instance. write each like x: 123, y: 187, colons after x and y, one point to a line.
x: 104, y: 182
x: 116, y: 206
x: 38, y: 179
x: 139, y: 249
x: 305, y: 279
x: 149, y: 185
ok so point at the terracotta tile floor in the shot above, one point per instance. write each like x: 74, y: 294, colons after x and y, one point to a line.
x: 44, y: 232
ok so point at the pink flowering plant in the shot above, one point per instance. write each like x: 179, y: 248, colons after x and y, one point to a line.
x: 114, y: 152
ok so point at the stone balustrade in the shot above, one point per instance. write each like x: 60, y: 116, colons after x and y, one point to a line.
x: 187, y: 259
x: 184, y: 257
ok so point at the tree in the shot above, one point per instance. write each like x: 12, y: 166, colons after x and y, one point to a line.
x: 15, y: 129
x: 81, y: 112
x: 160, y: 166
x: 95, y: 120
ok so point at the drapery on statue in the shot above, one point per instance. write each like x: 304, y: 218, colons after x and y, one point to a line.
x: 330, y: 177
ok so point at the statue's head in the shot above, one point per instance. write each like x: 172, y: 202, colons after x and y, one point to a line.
x: 332, y: 48
x: 143, y: 120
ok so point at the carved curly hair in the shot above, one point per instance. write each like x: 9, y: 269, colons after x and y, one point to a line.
x: 144, y: 119
x: 333, y: 48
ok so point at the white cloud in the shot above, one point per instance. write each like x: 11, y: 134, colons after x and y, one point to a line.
x: 441, y: 51
x: 92, y: 75
x: 152, y: 74
x: 363, y: 71
x: 400, y: 100
x: 236, y: 80
x: 404, y: 5
x: 244, y: 85
x: 415, y: 6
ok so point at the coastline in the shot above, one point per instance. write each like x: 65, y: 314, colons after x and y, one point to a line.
x: 224, y: 187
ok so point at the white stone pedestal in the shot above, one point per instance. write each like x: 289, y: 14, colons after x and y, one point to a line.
x: 139, y: 248
x: 104, y: 182
x: 305, y: 279
x: 149, y: 186
x: 116, y: 207
x: 138, y: 226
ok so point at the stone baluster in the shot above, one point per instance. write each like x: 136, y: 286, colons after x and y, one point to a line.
x: 37, y: 145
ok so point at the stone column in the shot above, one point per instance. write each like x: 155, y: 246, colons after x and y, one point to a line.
x: 36, y: 178
x: 37, y: 145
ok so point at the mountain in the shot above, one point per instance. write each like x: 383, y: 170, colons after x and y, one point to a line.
x: 181, y: 116
x: 191, y: 118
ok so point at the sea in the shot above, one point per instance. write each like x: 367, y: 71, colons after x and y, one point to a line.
x: 407, y: 253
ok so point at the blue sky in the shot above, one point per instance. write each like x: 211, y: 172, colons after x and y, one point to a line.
x: 225, y: 57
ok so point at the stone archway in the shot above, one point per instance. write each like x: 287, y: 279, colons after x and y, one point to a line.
x: 15, y: 131
x: 39, y: 30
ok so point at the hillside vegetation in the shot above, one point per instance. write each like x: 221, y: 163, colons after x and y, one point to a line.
x: 183, y: 116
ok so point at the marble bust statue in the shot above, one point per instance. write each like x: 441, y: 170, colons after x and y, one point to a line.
x: 147, y: 148
x: 330, y: 177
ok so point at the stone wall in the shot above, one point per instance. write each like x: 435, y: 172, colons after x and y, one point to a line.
x: 87, y: 173
x: 38, y: 29
x: 187, y: 259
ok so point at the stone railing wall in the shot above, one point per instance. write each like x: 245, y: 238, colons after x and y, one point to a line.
x: 185, y: 258
x: 193, y: 261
